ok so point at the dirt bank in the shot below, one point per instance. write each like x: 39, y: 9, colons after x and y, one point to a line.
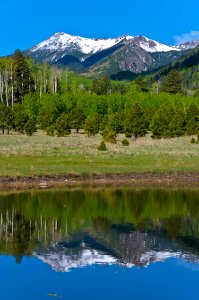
x: 179, y: 179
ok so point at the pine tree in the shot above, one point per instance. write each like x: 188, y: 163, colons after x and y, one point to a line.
x: 135, y: 121
x: 30, y: 126
x: 20, y: 117
x: 172, y: 83
x: 63, y: 125
x: 91, y: 126
x: 23, y: 80
x: 6, y: 118
x: 77, y: 118
x: 142, y: 84
x: 192, y: 118
x: 161, y: 122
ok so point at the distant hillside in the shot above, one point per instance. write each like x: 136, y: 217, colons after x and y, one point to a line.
x: 188, y: 61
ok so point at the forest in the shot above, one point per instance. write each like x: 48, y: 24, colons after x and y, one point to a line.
x: 39, y: 97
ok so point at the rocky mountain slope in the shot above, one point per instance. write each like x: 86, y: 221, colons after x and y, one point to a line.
x: 107, y: 56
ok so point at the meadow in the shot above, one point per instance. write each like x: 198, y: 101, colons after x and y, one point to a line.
x: 22, y: 155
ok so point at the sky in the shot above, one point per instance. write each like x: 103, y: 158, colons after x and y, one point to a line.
x: 25, y: 23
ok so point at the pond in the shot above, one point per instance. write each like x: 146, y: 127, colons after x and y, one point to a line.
x: 99, y: 244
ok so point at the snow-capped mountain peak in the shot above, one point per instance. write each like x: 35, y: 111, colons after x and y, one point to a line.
x: 151, y: 45
x: 188, y: 45
x: 106, y: 55
x: 61, y: 41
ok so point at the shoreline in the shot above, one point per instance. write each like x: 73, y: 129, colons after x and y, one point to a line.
x: 144, y: 180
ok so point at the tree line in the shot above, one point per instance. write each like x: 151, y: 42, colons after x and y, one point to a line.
x: 35, y: 96
x: 58, y: 115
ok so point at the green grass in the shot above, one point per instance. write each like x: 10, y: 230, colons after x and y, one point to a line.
x: 21, y: 155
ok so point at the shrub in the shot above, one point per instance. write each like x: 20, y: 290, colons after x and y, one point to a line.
x: 193, y: 141
x: 125, y: 142
x: 109, y: 136
x: 102, y: 146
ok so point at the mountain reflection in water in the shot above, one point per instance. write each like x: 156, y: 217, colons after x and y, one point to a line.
x: 73, y: 229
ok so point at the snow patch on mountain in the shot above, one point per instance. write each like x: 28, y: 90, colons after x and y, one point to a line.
x: 63, y: 262
x: 61, y: 41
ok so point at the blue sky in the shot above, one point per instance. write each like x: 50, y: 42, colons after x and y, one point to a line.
x: 25, y: 23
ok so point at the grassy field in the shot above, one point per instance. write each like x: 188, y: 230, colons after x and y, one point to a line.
x: 21, y: 155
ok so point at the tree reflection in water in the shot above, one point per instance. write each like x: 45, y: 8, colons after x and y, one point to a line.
x: 67, y: 229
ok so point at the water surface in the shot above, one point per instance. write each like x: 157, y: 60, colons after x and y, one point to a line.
x: 99, y: 244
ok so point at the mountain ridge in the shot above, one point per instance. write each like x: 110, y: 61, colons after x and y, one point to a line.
x: 107, y: 56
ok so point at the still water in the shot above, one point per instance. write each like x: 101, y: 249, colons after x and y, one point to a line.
x: 99, y: 244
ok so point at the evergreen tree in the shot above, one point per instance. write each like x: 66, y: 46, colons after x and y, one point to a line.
x: 92, y: 125
x: 77, y: 118
x: 20, y: 117
x: 102, y: 87
x: 142, y: 84
x: 63, y: 125
x: 115, y: 123
x: 177, y: 123
x: 6, y: 118
x: 172, y: 83
x: 23, y: 80
x: 47, y: 117
x: 135, y: 121
x: 30, y: 126
x: 160, y: 124
x: 192, y: 118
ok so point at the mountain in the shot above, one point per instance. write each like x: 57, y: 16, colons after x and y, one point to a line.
x: 106, y: 56
x: 60, y: 44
